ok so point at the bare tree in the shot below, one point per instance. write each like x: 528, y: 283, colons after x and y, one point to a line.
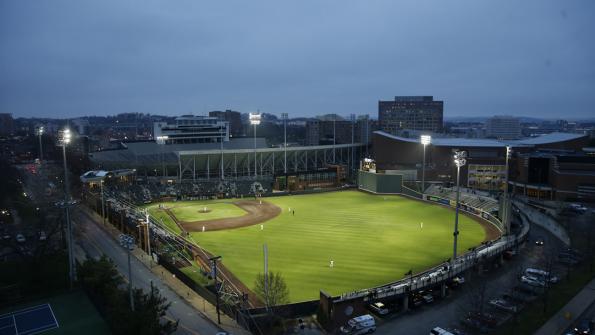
x: 272, y: 289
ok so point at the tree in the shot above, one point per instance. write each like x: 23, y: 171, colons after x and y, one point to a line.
x: 149, y: 309
x: 105, y: 286
x: 278, y: 293
x: 100, y: 278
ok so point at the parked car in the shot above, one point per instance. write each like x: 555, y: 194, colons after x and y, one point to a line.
x: 503, y: 305
x: 529, y: 280
x: 42, y: 236
x: 584, y: 327
x: 539, y: 242
x: 541, y: 275
x: 21, y: 238
x: 379, y: 308
x: 428, y: 297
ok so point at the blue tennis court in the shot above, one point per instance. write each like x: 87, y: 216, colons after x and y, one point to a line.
x: 28, y: 321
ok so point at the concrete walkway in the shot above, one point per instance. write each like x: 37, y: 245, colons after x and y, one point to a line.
x: 566, y: 316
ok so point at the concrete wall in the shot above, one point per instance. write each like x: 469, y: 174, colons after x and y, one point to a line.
x: 380, y: 183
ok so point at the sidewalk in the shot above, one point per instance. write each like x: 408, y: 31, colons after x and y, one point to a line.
x: 184, y: 292
x: 570, y: 312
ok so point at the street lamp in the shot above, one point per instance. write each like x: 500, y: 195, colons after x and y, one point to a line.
x: 255, y: 121
x: 102, y: 201
x: 39, y: 133
x: 425, y: 140
x: 63, y: 140
x: 460, y: 160
x: 127, y: 242
x: 284, y: 117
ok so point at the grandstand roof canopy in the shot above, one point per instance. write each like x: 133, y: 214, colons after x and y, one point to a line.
x: 480, y: 142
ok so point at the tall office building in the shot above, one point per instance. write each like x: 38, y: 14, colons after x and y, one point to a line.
x: 411, y: 112
x: 503, y: 127
x: 234, y: 118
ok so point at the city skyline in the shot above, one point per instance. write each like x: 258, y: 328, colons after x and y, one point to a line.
x: 68, y: 59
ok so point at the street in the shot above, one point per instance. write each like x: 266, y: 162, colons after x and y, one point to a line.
x: 95, y: 241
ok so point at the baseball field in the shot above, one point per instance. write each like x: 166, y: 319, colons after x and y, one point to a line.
x: 371, y: 239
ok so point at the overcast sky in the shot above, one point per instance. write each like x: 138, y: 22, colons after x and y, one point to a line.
x: 307, y: 57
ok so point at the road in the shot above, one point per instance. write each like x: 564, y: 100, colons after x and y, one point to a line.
x: 95, y: 241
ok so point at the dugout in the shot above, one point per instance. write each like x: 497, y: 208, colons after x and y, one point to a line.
x: 380, y: 182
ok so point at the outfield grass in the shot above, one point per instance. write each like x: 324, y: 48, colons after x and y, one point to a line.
x: 372, y: 240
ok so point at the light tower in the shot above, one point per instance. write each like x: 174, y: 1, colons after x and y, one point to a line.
x: 506, y: 207
x: 284, y: 117
x: 64, y: 140
x: 425, y: 140
x: 460, y: 159
x: 255, y: 121
x: 39, y: 132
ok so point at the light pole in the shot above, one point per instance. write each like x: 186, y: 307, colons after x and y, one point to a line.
x: 214, y: 261
x: 102, y: 202
x: 284, y: 117
x: 460, y: 160
x: 161, y: 140
x: 39, y: 133
x: 221, y: 138
x: 425, y: 140
x: 352, y: 172
x: 64, y: 140
x: 334, y: 135
x: 255, y: 121
x: 127, y: 242
x: 506, y: 199
x: 149, y: 238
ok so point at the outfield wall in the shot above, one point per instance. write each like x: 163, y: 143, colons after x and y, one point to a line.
x: 380, y: 183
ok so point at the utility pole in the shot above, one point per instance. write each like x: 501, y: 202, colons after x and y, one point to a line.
x: 214, y: 262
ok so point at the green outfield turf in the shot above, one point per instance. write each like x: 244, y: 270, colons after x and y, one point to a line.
x: 372, y: 239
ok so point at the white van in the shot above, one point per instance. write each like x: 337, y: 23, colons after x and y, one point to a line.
x: 363, y: 324
x: 440, y: 331
x: 541, y: 275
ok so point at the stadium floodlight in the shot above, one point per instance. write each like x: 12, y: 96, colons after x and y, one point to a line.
x: 460, y: 160
x: 64, y: 138
x: 255, y: 121
x: 39, y: 132
x: 284, y: 117
x: 425, y: 140
x: 162, y: 139
x: 506, y: 215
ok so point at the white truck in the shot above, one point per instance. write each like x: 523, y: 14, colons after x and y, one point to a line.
x: 363, y: 324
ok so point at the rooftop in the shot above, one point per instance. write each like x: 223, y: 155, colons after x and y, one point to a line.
x: 481, y: 142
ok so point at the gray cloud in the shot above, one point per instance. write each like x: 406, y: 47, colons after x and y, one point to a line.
x: 69, y: 58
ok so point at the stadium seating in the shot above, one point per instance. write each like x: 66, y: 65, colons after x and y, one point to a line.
x: 473, y: 198
x: 149, y: 191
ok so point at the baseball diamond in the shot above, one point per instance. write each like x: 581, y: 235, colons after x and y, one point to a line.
x: 370, y: 239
